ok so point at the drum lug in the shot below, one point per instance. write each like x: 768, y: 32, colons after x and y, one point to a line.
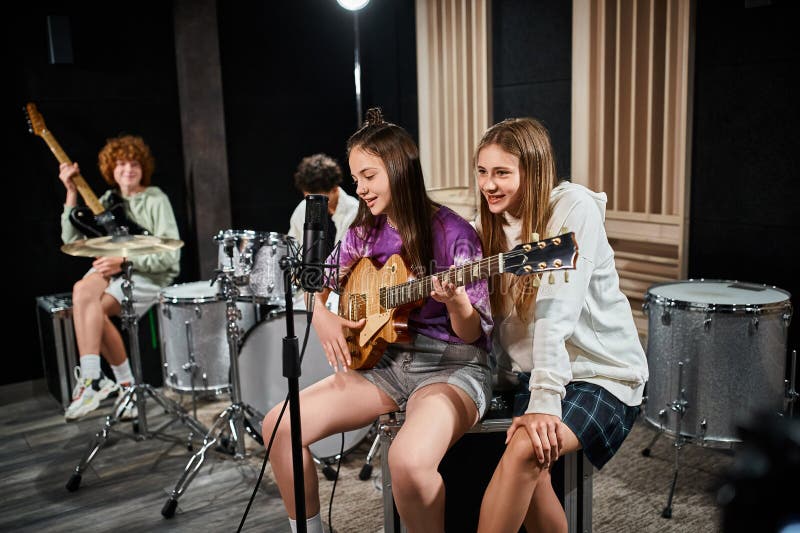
x: 173, y: 378
x: 198, y: 312
x: 753, y: 325
x: 707, y: 321
x: 646, y: 307
x: 666, y: 319
x: 205, y: 380
x: 703, y: 428
x: 166, y: 311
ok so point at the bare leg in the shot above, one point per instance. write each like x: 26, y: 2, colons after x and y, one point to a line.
x: 545, y: 513
x: 437, y: 415
x: 520, y: 490
x: 87, y: 312
x: 342, y: 402
x: 111, y: 345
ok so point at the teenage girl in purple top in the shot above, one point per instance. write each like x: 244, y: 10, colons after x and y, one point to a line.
x: 441, y: 379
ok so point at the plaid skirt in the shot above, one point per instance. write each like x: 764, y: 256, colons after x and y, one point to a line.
x: 599, y: 420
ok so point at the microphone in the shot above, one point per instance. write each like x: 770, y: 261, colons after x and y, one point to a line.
x: 316, y: 237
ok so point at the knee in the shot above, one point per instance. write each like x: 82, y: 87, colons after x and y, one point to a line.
x: 519, y: 452
x: 409, y: 471
x: 80, y: 293
x: 268, y: 426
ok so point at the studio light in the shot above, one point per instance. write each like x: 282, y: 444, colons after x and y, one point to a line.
x: 353, y: 5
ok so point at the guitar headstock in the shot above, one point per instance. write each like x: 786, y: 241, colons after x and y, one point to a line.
x: 35, y: 120
x: 555, y: 253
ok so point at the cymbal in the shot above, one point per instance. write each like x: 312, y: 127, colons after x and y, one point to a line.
x: 124, y: 246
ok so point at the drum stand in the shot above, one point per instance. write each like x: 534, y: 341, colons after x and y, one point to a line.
x: 234, y: 418
x: 366, y: 470
x: 136, y: 395
x: 678, y: 405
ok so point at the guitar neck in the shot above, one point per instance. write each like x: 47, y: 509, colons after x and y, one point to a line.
x: 83, y: 188
x: 414, y: 290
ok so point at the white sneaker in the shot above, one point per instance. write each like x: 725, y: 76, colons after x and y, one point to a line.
x: 87, y: 395
x: 128, y: 411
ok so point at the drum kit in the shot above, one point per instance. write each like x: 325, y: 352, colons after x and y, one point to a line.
x: 716, y: 352
x: 217, y: 337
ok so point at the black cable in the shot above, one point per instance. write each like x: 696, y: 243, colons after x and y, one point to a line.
x: 277, y: 425
x: 333, y: 489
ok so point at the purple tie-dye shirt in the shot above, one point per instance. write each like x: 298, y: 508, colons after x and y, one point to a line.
x: 455, y: 242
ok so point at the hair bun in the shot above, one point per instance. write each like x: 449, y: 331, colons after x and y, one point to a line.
x: 374, y: 117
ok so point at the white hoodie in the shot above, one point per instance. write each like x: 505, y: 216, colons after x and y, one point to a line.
x: 583, y: 329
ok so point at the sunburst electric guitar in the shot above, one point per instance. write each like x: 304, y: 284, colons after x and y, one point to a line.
x: 385, y: 296
x: 94, y: 220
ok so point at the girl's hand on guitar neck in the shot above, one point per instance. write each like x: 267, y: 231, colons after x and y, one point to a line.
x: 330, y: 329
x: 464, y: 318
x: 449, y: 294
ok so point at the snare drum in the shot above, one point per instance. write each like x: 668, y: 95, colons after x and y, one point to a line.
x: 264, y: 386
x: 194, y: 343
x: 716, y: 351
x: 255, y: 262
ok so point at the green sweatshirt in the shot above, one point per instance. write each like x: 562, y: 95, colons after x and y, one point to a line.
x: 152, y: 210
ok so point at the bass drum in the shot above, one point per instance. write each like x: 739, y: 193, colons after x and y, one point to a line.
x: 264, y: 386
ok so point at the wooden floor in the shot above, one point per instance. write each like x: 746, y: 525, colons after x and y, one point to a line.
x: 126, y: 484
x: 128, y: 481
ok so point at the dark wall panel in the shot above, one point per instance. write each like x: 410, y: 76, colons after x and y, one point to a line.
x: 532, y: 67
x: 745, y: 190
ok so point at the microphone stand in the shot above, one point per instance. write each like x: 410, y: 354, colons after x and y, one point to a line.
x: 291, y: 370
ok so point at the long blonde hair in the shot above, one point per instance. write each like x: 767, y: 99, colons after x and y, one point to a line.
x: 529, y: 140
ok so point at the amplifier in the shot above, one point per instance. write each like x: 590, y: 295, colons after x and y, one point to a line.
x: 59, y: 351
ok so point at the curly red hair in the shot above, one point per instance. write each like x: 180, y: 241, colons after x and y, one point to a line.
x: 125, y: 148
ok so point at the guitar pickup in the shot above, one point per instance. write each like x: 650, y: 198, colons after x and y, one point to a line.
x: 356, y: 307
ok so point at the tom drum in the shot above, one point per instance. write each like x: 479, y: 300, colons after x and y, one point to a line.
x: 717, y: 353
x: 254, y: 259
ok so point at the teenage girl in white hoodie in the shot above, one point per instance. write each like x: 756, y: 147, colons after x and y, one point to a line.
x: 570, y: 345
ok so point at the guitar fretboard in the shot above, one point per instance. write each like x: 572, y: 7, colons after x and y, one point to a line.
x: 417, y: 289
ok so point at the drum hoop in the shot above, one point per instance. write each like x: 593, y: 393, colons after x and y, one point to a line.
x: 164, y: 297
x: 193, y: 300
x: 249, y: 233
x: 773, y: 307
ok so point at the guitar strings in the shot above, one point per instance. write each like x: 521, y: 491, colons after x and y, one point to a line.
x: 403, y: 293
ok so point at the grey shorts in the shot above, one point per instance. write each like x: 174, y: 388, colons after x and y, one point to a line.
x: 145, y: 292
x: 405, y: 368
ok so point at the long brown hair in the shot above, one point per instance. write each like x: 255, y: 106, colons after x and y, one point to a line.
x: 529, y: 140
x: 411, y: 205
